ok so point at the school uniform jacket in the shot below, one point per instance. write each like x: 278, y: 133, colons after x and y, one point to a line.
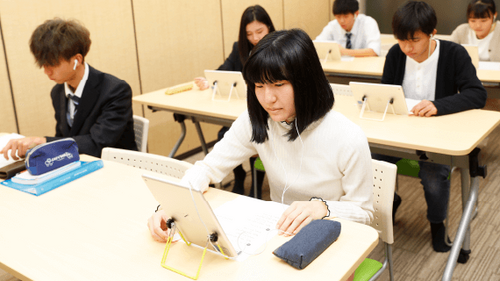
x: 457, y: 85
x: 104, y: 115
x: 233, y: 62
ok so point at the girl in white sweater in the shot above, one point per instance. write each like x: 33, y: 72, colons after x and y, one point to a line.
x: 480, y: 30
x: 316, y: 159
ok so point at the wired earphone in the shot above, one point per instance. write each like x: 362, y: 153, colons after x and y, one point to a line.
x: 430, y: 40
x: 287, y: 186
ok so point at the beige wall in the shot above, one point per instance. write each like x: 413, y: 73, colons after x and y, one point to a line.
x: 112, y: 50
x: 311, y: 16
x: 7, y: 116
x: 151, y: 44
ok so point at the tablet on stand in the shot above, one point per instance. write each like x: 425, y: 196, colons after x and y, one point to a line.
x: 224, y: 83
x: 378, y: 98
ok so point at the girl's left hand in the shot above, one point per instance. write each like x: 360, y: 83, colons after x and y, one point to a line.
x: 298, y: 215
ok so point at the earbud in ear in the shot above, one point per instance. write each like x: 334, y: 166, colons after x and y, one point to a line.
x: 76, y: 62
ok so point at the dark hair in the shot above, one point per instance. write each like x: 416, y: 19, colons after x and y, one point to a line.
x: 287, y: 55
x: 480, y: 9
x: 412, y: 17
x: 251, y: 14
x: 343, y: 7
x: 59, y: 39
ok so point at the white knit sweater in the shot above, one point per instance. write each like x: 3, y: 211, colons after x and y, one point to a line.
x: 331, y: 160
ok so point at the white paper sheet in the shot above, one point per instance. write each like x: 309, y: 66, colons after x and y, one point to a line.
x: 346, y: 58
x: 249, y: 223
x: 410, y: 103
x: 489, y: 65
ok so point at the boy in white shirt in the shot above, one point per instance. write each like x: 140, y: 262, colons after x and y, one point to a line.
x: 357, y: 34
x: 440, y: 74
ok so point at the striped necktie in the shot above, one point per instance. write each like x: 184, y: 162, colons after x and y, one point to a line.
x: 76, y: 101
x: 348, y: 44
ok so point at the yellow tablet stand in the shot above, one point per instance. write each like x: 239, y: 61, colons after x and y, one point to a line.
x: 211, y: 239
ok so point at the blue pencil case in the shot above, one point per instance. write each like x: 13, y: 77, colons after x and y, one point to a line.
x: 309, y: 243
x: 52, y: 155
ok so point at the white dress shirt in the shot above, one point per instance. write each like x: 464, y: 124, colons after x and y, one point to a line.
x: 365, y: 34
x: 78, y: 92
x: 419, y: 82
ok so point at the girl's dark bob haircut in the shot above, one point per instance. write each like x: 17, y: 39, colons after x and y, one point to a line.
x: 287, y: 55
x: 412, y: 17
x: 481, y: 9
x: 251, y: 14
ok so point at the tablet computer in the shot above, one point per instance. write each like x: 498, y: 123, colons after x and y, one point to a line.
x: 327, y: 50
x: 226, y: 84
x: 191, y: 213
x: 473, y: 53
x: 377, y: 96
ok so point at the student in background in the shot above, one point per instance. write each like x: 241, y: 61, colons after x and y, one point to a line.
x: 92, y: 107
x: 480, y: 30
x: 254, y: 25
x: 440, y: 74
x: 357, y: 34
x: 316, y: 159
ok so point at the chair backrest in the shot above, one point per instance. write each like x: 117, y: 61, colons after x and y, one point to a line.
x: 141, y: 129
x: 146, y: 161
x: 384, y: 182
x: 341, y: 89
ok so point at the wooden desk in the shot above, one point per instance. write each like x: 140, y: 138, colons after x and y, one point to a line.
x: 449, y: 140
x: 373, y: 68
x: 95, y: 229
x: 195, y: 105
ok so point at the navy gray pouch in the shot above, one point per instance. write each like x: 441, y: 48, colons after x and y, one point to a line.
x: 309, y: 243
x: 49, y: 156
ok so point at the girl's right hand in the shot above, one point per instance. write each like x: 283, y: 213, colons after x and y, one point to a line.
x: 157, y: 224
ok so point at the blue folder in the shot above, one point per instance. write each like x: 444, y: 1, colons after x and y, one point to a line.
x: 41, y: 188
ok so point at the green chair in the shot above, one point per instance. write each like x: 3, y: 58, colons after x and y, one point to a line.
x: 258, y: 166
x: 384, y: 183
x: 408, y: 167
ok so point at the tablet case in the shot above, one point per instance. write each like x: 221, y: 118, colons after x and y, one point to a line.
x: 309, y: 243
x: 11, y: 170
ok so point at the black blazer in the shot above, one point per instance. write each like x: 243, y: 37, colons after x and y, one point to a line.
x: 233, y: 62
x: 104, y: 116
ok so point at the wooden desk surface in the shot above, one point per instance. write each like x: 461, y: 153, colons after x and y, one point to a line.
x: 194, y: 102
x: 370, y: 66
x: 374, y: 66
x: 453, y: 134
x: 95, y: 229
